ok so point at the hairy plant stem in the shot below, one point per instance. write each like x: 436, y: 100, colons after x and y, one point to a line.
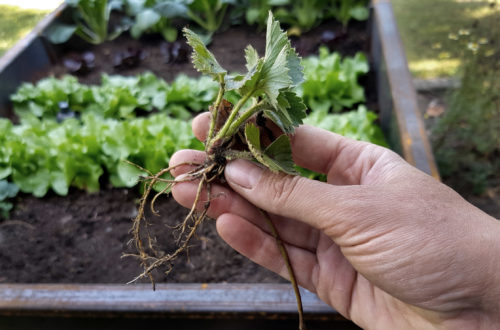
x: 291, y: 273
x: 244, y: 117
x: 215, y: 112
x: 224, y: 131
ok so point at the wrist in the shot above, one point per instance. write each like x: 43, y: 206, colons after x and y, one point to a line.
x: 488, y: 316
x: 480, y: 273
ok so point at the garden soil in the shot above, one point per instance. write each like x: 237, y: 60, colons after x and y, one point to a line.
x: 81, y: 238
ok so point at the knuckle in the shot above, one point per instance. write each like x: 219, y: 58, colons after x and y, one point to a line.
x: 282, y: 189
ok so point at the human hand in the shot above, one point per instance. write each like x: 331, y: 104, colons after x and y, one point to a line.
x: 383, y: 243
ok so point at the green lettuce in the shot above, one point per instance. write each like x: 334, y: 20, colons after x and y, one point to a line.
x: 116, y: 96
x: 40, y: 155
x: 331, y: 83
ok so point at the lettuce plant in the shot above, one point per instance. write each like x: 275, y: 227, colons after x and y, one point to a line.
x: 116, y: 96
x: 331, y: 82
x: 92, y: 20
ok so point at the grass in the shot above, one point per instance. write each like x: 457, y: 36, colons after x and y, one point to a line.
x: 426, y: 27
x: 15, y: 23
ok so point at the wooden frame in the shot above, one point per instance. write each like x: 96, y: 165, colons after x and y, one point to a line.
x: 224, y: 306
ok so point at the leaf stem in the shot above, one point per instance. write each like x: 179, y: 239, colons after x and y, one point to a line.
x: 215, y: 111
x: 210, y: 17
x: 224, y: 130
x: 291, y: 273
x: 197, y: 19
x: 221, y: 16
x: 247, y: 114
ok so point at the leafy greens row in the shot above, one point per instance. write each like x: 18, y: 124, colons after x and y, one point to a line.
x: 39, y: 155
x: 116, y: 97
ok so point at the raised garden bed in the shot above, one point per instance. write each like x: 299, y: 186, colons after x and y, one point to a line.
x: 84, y: 226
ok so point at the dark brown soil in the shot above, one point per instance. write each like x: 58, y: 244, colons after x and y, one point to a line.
x: 81, y: 238
x: 228, y: 47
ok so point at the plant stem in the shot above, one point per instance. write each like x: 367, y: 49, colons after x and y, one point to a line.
x: 221, y: 16
x: 224, y: 130
x: 291, y: 273
x: 215, y: 111
x: 197, y: 19
x: 240, y: 120
x: 210, y: 17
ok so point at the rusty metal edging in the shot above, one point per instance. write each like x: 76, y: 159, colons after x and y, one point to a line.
x: 414, y: 142
x: 75, y: 299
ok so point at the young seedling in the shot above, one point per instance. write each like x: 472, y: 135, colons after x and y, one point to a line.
x: 265, y: 91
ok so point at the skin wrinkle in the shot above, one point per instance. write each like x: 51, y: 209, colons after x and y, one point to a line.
x: 351, y: 295
x: 332, y: 176
x: 339, y: 287
x: 283, y: 192
x: 352, y: 172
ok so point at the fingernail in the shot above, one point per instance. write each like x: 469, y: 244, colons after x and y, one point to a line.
x: 243, y: 173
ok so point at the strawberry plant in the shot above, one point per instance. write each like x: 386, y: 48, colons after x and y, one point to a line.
x: 267, y: 90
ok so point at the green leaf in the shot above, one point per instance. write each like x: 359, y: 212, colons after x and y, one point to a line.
x: 5, y: 172
x: 357, y: 124
x: 360, y: 13
x: 7, y: 190
x: 5, y: 207
x: 332, y: 82
x: 276, y: 39
x: 59, y: 33
x: 171, y: 9
x: 277, y: 156
x: 289, y: 112
x: 296, y: 72
x: 133, y: 7
x: 252, y: 15
x: 59, y: 183
x: 36, y: 183
x: 280, y: 153
x: 252, y: 135
x: 203, y: 60
x: 128, y: 174
x: 169, y: 33
x: 251, y: 57
x: 144, y: 21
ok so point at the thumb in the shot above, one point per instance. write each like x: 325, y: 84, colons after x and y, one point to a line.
x: 318, y: 204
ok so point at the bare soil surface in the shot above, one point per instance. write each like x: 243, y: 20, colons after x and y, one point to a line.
x: 228, y: 47
x: 81, y: 238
